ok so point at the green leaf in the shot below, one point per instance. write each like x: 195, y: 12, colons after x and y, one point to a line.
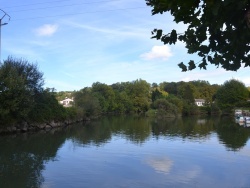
x: 191, y: 65
x: 209, y: 58
x: 203, y: 65
x: 183, y: 67
x: 158, y: 34
x: 173, y: 37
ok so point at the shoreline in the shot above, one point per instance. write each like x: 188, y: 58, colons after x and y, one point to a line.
x: 24, y: 127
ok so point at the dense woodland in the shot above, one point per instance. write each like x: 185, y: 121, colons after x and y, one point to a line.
x: 167, y: 99
x: 24, y: 99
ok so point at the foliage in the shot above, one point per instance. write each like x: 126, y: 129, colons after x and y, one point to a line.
x: 231, y: 93
x: 218, y: 31
x: 190, y: 109
x: 23, y: 97
x: 89, y: 104
x: 186, y: 91
x: 157, y: 93
x: 165, y: 108
x: 20, y: 82
x: 215, y: 109
x: 151, y: 113
x: 171, y: 88
x: 106, y: 96
x: 139, y: 92
x: 61, y: 95
x: 123, y: 102
x: 176, y: 101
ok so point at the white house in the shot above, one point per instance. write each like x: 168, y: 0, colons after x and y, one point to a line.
x: 67, y: 102
x: 199, y: 102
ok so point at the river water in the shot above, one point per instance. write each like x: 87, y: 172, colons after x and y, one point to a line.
x: 129, y: 151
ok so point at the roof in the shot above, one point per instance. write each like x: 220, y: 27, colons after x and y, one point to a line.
x: 199, y: 100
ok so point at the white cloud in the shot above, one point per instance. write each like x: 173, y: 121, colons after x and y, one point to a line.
x: 161, y: 165
x: 158, y: 52
x: 46, y: 30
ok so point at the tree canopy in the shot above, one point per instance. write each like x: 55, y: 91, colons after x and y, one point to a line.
x: 231, y: 93
x: 20, y: 81
x: 22, y: 96
x: 218, y: 31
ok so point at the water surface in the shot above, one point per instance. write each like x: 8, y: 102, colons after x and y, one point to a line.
x: 130, y: 151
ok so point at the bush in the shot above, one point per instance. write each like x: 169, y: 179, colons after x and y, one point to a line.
x: 165, y: 108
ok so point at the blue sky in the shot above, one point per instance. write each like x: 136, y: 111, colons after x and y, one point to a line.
x: 78, y: 42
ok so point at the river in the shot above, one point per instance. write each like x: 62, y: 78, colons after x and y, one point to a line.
x: 129, y: 151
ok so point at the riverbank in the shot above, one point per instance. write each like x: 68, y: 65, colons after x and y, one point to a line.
x: 30, y: 127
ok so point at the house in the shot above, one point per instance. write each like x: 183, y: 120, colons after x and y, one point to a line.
x: 238, y: 112
x: 199, y: 102
x: 67, y: 102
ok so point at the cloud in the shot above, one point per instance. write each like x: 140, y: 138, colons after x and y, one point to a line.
x: 161, y: 165
x: 46, y: 30
x: 158, y: 52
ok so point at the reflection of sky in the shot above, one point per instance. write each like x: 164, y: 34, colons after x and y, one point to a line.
x: 162, y: 162
x: 162, y: 165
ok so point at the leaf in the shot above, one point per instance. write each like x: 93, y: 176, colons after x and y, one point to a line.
x: 209, y: 58
x: 173, y: 37
x: 203, y: 65
x: 158, y: 34
x: 183, y: 67
x: 191, y: 65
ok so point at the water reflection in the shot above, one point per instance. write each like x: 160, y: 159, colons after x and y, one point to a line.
x: 160, y: 164
x: 233, y: 136
x: 184, y: 127
x: 23, y: 157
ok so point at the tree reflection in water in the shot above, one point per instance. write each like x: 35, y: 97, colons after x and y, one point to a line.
x: 23, y: 157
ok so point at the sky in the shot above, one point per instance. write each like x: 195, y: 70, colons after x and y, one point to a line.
x: 78, y: 42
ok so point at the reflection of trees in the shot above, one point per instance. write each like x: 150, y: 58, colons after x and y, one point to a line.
x: 97, y: 133
x: 183, y: 127
x: 232, y: 135
x: 22, y: 158
x: 134, y: 128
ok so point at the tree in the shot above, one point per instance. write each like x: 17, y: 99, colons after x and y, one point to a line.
x: 20, y: 82
x: 218, y: 31
x: 165, y: 108
x: 139, y: 92
x: 187, y: 91
x: 85, y: 101
x: 231, y: 93
x: 106, y: 96
x: 171, y: 87
x: 157, y: 93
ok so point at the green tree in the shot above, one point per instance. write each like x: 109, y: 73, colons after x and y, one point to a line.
x: 165, y: 108
x: 157, y: 93
x: 187, y: 91
x: 218, y: 31
x: 171, y: 87
x: 123, y: 104
x: 105, y: 95
x: 231, y: 93
x: 176, y: 101
x: 20, y: 83
x: 86, y: 102
x: 139, y: 92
